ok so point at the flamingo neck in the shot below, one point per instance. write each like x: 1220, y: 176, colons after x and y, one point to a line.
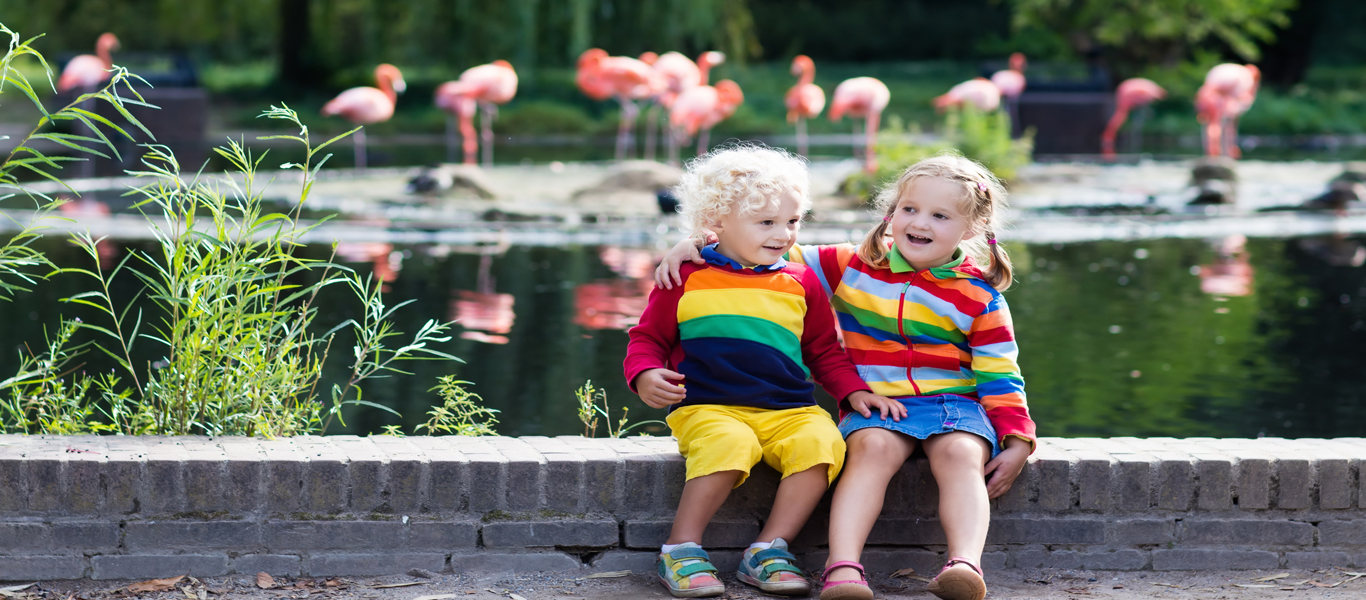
x: 385, y: 85
x: 808, y: 75
x: 102, y: 51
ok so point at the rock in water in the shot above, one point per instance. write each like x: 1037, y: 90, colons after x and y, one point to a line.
x: 1216, y: 180
x: 451, y: 179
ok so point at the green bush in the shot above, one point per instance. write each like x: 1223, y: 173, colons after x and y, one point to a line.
x: 542, y: 117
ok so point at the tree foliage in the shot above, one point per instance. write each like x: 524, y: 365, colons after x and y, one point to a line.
x: 1151, y: 32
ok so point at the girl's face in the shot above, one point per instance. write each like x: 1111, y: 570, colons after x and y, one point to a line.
x: 928, y: 222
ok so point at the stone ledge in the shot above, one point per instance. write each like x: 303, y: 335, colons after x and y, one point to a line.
x: 135, y: 507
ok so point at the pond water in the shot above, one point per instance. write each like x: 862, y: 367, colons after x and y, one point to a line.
x: 1167, y: 337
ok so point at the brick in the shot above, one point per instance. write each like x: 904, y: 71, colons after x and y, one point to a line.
x: 1140, y: 532
x: 13, y: 495
x: 1215, y: 482
x: 1247, y: 532
x: 1055, y: 491
x: 404, y: 479
x: 163, y: 483
x: 226, y: 535
x: 1295, y: 482
x: 884, y: 561
x: 342, y: 535
x: 638, y: 561
x: 1114, y: 560
x: 45, y: 486
x: 274, y: 564
x: 324, y: 477
x: 907, y: 532
x: 719, y: 534
x: 994, y: 561
x: 83, y: 492
x: 463, y: 534
x: 122, y: 475
x: 204, y: 485
x: 1317, y: 560
x: 641, y: 479
x: 1342, y: 533
x: 448, y: 471
x: 488, y: 481
x: 1175, y: 481
x: 1131, y: 479
x: 1213, y: 560
x: 284, y: 471
x: 1058, y: 531
x: 1335, y: 483
x: 1056, y: 559
x: 373, y: 564
x: 752, y: 500
x: 563, y: 481
x: 1254, y: 483
x: 365, y: 470
x: 243, y: 474
x: 1092, y: 474
x: 522, y: 534
x: 924, y: 492
x: 85, y: 536
x: 25, y: 537
x: 18, y: 568
x: 147, y: 566
x: 490, y: 562
x: 600, y: 477
x: 674, y: 475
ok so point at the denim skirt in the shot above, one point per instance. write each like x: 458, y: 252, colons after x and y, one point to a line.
x: 930, y: 415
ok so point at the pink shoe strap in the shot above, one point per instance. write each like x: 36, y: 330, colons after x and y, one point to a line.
x: 962, y: 561
x: 863, y: 576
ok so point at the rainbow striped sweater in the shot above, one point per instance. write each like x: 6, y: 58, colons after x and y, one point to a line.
x: 921, y: 333
x: 743, y: 336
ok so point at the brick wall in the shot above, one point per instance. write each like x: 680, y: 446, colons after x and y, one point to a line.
x: 133, y: 507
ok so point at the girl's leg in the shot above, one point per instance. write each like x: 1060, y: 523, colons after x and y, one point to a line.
x: 956, y: 459
x: 875, y: 455
x: 702, y: 497
x: 798, y: 495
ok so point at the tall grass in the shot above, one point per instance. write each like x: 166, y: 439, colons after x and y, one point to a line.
x: 223, y: 298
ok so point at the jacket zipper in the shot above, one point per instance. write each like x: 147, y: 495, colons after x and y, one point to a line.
x: 901, y: 329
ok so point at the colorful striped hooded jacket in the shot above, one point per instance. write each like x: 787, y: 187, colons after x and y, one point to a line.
x: 920, y: 333
x: 743, y: 336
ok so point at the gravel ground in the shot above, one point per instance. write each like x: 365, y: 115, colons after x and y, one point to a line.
x: 1043, y: 584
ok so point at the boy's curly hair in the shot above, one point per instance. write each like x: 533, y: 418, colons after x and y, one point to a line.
x: 739, y: 177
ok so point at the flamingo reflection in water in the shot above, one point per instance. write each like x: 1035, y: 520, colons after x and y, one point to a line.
x: 616, y: 303
x: 82, y: 209
x: 1231, y: 274
x: 385, y: 262
x: 486, y: 315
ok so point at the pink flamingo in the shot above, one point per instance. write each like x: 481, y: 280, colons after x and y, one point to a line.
x: 978, y: 92
x: 804, y: 100
x: 367, y: 105
x: 626, y: 78
x: 1228, y: 92
x: 865, y: 98
x: 1011, y: 82
x: 89, y: 70
x: 678, y: 73
x: 489, y: 86
x: 698, y: 109
x: 1131, y: 93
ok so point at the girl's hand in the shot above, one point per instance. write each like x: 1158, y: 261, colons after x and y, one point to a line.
x: 1007, y: 465
x: 656, y: 389
x: 666, y: 274
x: 865, y: 402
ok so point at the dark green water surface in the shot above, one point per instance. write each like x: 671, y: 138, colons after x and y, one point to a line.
x: 1152, y: 338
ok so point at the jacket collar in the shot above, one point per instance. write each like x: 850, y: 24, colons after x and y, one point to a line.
x: 713, y: 257
x: 962, y: 266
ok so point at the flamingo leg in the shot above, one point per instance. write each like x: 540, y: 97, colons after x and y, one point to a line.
x: 674, y: 142
x: 854, y: 143
x: 1231, y: 138
x: 468, y: 141
x: 451, y: 128
x: 486, y: 136
x: 651, y: 131
x: 801, y: 138
x: 1136, y: 131
x: 628, y: 119
x: 358, y: 141
x: 870, y: 142
x: 703, y: 139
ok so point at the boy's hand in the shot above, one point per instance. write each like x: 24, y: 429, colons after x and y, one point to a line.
x: 666, y: 274
x: 656, y: 390
x: 865, y: 403
x: 1007, y: 465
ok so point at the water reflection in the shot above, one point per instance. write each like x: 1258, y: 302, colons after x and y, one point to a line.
x: 1158, y: 337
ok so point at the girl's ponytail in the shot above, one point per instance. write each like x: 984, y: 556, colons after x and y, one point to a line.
x: 1000, y: 273
x: 873, y: 251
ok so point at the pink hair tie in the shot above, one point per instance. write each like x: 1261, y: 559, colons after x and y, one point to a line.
x: 887, y: 219
x: 982, y: 186
x: 991, y: 241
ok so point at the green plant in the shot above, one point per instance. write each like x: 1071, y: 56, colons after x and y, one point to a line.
x: 593, y: 404
x: 981, y: 136
x: 460, y: 413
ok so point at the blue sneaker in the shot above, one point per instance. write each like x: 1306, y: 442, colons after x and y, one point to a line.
x: 688, y: 573
x: 773, y: 570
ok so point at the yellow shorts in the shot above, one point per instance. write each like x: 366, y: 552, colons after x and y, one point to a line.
x: 717, y: 438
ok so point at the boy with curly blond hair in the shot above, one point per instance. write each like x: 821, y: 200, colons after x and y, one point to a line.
x: 729, y: 351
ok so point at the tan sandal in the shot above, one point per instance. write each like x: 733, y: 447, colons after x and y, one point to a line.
x: 957, y: 584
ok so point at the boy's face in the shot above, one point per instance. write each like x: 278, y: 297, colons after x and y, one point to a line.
x: 762, y: 237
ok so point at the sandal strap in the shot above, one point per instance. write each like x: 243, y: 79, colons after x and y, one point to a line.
x: 695, y: 568
x: 845, y: 563
x: 963, y: 561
